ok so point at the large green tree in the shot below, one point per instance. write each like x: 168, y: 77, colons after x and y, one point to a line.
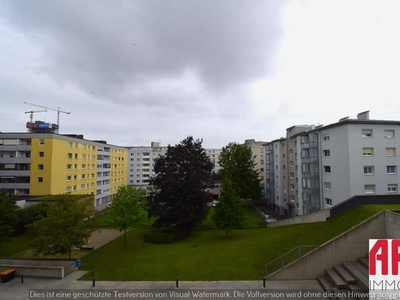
x: 69, y: 223
x: 29, y: 214
x: 127, y: 208
x: 237, y: 164
x: 228, y: 212
x: 180, y: 201
x: 8, y: 216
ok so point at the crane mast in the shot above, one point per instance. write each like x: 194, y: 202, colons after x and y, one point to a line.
x: 58, y: 110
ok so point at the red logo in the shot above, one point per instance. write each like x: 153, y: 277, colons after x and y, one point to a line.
x: 386, y: 252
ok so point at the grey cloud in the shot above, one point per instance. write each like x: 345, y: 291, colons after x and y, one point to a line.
x: 106, y: 46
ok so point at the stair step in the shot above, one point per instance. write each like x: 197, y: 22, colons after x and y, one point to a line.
x: 362, y: 279
x: 362, y: 268
x: 358, y: 292
x: 364, y: 261
x: 335, y: 278
x: 344, y: 274
x: 325, y: 282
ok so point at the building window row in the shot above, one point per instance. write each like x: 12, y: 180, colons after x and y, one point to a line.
x: 368, y: 133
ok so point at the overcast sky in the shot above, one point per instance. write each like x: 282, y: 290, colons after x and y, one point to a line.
x: 137, y: 71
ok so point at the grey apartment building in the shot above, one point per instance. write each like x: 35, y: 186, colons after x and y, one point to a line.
x: 331, y: 164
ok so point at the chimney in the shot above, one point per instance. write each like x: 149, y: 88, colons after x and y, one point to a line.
x: 363, y: 115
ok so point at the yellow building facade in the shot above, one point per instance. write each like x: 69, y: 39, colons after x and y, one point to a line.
x: 34, y: 164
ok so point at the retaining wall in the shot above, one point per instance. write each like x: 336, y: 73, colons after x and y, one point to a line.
x: 39, y: 268
x: 348, y: 246
x: 318, y: 216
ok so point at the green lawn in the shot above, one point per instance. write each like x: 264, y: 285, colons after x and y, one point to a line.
x: 18, y: 244
x: 210, y: 255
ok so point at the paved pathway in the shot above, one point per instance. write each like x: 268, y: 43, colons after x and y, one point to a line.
x: 103, y: 236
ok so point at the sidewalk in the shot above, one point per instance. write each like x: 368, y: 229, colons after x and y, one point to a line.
x: 70, y: 288
x: 103, y: 236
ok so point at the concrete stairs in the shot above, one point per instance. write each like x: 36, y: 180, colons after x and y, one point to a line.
x: 347, y: 281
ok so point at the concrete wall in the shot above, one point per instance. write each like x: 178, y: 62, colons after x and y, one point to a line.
x: 348, y: 246
x: 40, y: 268
x: 318, y: 216
x: 392, y: 224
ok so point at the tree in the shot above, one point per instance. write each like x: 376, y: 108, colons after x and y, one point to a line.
x: 179, y: 200
x: 8, y: 216
x: 237, y: 164
x: 228, y: 212
x: 69, y: 223
x: 29, y: 214
x: 126, y: 209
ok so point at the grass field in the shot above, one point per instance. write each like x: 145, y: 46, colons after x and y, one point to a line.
x: 18, y: 244
x: 207, y: 254
x: 210, y: 255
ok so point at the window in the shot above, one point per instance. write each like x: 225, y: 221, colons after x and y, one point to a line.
x: 69, y: 167
x: 389, y: 134
x: 291, y: 151
x: 392, y: 188
x: 391, y: 169
x: 41, y: 154
x: 328, y: 201
x: 41, y: 142
x: 368, y: 151
x: 369, y: 170
x: 369, y: 189
x: 291, y: 163
x: 69, y: 145
x: 76, y: 156
x: 68, y: 178
x: 292, y: 186
x: 390, y: 151
x: 40, y: 179
x: 327, y: 169
x: 327, y: 153
x: 82, y: 186
x: 69, y: 155
x: 40, y: 167
x: 366, y: 133
x: 325, y: 137
x: 327, y: 185
x: 83, y: 176
x: 68, y: 189
x: 291, y: 175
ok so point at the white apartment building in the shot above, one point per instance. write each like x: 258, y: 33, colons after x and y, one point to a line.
x: 332, y: 164
x: 358, y: 157
x: 141, y: 162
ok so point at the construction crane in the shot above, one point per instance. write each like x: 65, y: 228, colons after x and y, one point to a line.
x: 58, y: 110
x: 32, y: 112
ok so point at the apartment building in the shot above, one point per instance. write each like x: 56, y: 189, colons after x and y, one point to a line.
x: 141, y: 162
x: 282, y: 172
x: 357, y: 157
x: 38, y: 164
x: 274, y: 175
x: 334, y: 163
x: 257, y: 148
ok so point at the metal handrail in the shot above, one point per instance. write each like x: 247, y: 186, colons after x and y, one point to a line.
x: 284, y: 261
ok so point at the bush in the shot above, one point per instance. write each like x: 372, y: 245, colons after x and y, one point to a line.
x: 156, y: 237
